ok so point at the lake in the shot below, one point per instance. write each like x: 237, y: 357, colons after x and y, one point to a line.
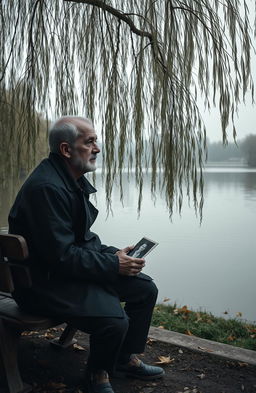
x: 209, y: 266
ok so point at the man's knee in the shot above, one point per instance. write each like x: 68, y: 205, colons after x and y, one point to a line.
x: 153, y: 290
x: 150, y: 291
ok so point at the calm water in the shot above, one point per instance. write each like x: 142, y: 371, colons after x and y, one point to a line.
x: 209, y: 266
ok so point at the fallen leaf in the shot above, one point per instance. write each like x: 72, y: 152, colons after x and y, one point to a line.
x: 161, y: 327
x: 165, y: 360
x: 54, y: 329
x: 47, y: 335
x: 151, y: 341
x: 231, y: 338
x: 29, y: 333
x: 184, y: 310
x: 205, y: 349
x: 78, y: 347
x: 188, y: 333
x: 166, y: 299
x: 180, y: 351
x: 56, y: 385
x: 243, y: 364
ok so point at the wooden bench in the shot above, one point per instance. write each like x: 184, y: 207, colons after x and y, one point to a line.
x: 13, y: 321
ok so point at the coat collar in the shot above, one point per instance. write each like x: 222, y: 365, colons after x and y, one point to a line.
x: 72, y: 184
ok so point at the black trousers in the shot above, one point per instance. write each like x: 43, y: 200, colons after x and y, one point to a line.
x: 115, y: 339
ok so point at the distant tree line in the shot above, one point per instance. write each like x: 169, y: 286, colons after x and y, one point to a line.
x: 19, y: 155
x: 244, y: 149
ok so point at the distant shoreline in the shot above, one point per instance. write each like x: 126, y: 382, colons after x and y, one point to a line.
x: 209, y: 165
x: 227, y: 164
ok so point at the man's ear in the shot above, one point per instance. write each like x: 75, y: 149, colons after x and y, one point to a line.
x: 65, y: 149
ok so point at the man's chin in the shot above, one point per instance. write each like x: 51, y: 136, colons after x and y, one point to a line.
x: 90, y: 167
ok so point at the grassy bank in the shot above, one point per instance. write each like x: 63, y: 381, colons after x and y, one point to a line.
x: 201, y: 324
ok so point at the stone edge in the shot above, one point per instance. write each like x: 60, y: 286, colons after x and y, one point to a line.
x: 204, y: 346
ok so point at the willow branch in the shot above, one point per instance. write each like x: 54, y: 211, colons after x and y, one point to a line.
x: 12, y: 47
x: 120, y: 15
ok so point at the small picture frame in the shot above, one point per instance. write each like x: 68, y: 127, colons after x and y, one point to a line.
x: 142, y: 248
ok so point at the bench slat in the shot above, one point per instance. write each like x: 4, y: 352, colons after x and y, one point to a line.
x: 9, y: 310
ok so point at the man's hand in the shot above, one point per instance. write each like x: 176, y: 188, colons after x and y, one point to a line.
x: 129, y: 266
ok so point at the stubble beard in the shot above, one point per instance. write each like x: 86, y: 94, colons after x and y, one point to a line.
x: 83, y: 166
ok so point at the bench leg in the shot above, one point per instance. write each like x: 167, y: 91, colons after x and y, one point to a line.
x: 66, y: 339
x: 9, y: 339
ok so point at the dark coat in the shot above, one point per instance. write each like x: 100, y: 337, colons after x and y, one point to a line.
x: 72, y: 271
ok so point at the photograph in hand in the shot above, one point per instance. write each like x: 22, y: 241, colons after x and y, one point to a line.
x: 142, y: 248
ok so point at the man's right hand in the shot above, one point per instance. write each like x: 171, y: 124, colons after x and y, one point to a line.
x: 129, y: 266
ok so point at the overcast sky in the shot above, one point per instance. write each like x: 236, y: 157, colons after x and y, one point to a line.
x: 245, y: 124
x: 246, y: 120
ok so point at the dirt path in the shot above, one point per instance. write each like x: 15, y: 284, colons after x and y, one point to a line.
x: 61, y: 371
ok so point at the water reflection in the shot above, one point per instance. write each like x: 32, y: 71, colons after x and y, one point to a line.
x: 209, y: 266
x: 241, y: 182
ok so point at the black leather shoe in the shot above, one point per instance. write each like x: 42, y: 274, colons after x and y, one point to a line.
x: 141, y: 371
x: 92, y: 387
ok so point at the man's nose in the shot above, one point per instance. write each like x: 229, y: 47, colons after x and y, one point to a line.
x: 96, y: 148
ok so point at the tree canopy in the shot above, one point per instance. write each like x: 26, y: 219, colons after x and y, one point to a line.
x: 136, y: 68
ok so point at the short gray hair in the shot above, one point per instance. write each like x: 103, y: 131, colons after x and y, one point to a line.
x: 63, y: 130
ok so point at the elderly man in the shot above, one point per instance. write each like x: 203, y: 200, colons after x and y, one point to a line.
x: 75, y: 276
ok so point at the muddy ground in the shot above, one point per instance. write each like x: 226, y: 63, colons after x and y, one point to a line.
x: 51, y: 370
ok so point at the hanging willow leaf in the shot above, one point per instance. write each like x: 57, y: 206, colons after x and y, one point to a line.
x: 136, y: 68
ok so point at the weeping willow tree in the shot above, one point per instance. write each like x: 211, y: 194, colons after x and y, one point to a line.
x: 136, y: 68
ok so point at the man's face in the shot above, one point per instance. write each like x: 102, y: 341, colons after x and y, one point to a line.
x: 85, y: 149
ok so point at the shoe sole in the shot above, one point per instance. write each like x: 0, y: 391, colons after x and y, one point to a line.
x: 122, y: 374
